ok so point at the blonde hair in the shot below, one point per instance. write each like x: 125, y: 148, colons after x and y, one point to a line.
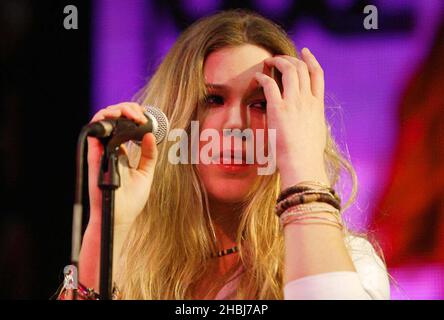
x: 169, y: 244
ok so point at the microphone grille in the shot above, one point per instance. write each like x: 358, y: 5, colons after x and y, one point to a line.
x: 162, y: 123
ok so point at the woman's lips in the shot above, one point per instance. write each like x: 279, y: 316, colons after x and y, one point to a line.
x: 230, y: 165
x: 234, y: 167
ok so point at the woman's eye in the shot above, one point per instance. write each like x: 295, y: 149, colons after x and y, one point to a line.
x: 261, y: 105
x: 214, y: 99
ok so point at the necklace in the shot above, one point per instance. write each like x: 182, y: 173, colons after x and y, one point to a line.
x: 225, y: 252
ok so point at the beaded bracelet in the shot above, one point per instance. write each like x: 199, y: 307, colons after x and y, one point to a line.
x: 82, y: 292
x: 323, y: 220
x: 299, y: 188
x: 85, y: 293
x: 310, y: 191
x: 298, y: 213
x: 313, y: 215
x: 302, y: 210
x: 295, y: 195
x: 225, y: 252
x: 309, y: 207
x: 297, y: 199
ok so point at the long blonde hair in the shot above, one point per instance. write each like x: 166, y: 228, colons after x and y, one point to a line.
x: 170, y: 242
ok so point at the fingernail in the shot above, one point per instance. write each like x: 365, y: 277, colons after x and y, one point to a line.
x: 306, y: 50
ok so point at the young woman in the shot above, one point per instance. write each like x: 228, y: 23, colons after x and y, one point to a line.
x: 210, y: 231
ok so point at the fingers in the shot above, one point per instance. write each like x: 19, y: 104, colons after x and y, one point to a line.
x: 149, y: 153
x: 123, y: 151
x: 316, y: 73
x: 308, y: 73
x: 106, y: 114
x: 290, y: 78
x: 123, y: 156
x: 132, y: 111
x: 302, y: 73
x: 271, y: 90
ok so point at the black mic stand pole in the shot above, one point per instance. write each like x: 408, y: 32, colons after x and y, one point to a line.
x: 109, y: 181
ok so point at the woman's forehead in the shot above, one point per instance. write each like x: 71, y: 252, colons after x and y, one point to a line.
x: 233, y: 64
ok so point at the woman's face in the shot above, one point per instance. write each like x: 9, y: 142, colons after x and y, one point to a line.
x: 234, y: 101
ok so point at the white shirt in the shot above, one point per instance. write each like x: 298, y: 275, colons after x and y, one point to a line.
x: 370, y: 281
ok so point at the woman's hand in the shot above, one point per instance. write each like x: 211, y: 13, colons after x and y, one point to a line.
x: 298, y: 117
x: 133, y: 193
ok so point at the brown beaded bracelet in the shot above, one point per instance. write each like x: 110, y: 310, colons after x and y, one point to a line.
x: 296, y: 189
x: 296, y: 199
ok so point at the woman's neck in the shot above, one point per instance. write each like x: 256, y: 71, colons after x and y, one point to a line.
x: 226, y: 219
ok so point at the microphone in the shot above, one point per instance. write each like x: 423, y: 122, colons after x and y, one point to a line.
x: 122, y: 130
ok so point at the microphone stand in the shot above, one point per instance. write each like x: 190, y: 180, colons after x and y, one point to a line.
x: 109, y: 181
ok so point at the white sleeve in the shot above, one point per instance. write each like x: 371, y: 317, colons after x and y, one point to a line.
x: 370, y: 281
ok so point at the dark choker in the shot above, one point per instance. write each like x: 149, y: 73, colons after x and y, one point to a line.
x: 225, y: 252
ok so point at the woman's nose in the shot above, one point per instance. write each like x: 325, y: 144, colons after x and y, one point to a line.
x: 236, y: 117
